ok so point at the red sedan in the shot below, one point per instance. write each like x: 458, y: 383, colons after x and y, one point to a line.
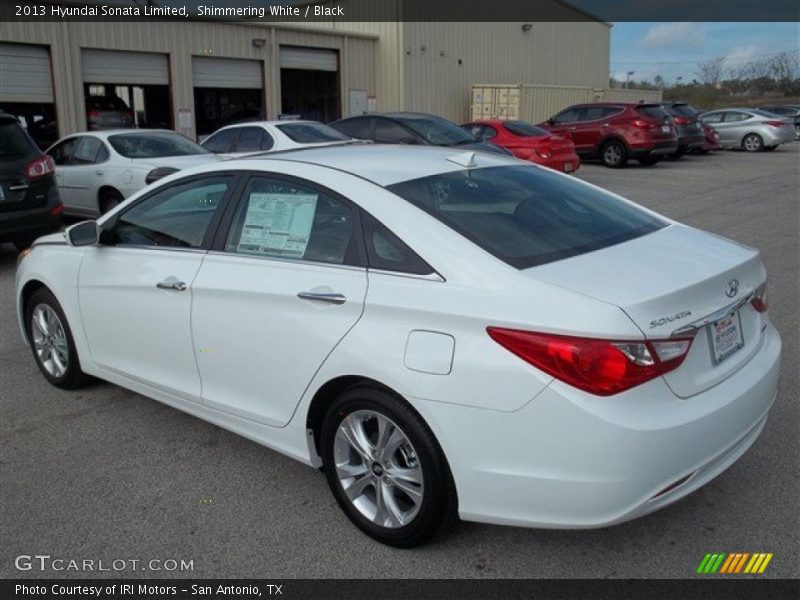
x: 528, y: 142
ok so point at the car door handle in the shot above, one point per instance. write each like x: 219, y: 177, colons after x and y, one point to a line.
x: 99, y: 173
x: 572, y: 129
x: 331, y: 298
x: 170, y: 283
x: 19, y: 187
x: 606, y: 124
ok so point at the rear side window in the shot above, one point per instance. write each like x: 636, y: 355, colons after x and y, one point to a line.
x: 62, y: 152
x: 652, y: 111
x: 526, y: 216
x: 221, y: 142
x: 87, y: 151
x: 683, y: 110
x: 14, y: 142
x: 250, y: 139
x: 733, y: 117
x: 312, y: 133
x: 283, y: 219
x: 525, y: 129
x: 385, y: 251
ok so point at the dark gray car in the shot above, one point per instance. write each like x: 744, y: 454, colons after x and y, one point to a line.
x: 412, y: 128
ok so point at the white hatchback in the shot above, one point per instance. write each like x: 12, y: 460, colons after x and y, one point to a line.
x: 444, y: 333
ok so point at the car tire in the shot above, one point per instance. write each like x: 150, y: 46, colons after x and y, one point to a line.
x: 109, y: 200
x: 51, y: 341
x: 648, y: 161
x: 753, y: 142
x: 614, y: 154
x: 397, y: 488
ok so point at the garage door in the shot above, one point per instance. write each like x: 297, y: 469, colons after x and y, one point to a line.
x: 132, y: 68
x: 25, y: 74
x: 313, y: 59
x: 226, y: 73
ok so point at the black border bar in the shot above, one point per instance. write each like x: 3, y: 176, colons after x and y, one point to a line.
x: 707, y: 588
x: 606, y: 11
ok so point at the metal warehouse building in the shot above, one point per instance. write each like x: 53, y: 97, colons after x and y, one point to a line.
x: 196, y: 75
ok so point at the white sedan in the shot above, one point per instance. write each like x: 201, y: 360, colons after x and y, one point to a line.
x: 239, y: 140
x: 444, y: 333
x: 97, y: 170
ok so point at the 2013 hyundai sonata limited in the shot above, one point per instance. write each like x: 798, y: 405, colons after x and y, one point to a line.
x: 443, y: 332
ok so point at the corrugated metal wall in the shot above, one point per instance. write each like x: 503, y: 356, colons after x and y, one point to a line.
x: 618, y: 95
x: 181, y: 41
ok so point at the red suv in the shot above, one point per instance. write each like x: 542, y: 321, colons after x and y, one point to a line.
x: 617, y: 131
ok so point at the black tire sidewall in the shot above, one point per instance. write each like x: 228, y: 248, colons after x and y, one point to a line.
x: 73, y: 376
x: 439, y: 497
x: 109, y: 201
x: 756, y: 136
x: 624, y: 156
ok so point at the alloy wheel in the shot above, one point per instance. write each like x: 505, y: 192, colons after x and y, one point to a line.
x: 378, y: 469
x: 49, y: 340
x: 612, y: 154
x: 752, y: 143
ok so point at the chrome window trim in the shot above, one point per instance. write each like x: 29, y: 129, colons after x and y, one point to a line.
x: 428, y: 277
x: 294, y: 261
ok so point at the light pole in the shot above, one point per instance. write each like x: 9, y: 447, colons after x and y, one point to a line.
x: 628, y: 78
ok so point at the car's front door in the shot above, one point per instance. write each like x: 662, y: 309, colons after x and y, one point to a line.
x: 284, y: 284
x: 716, y: 120
x: 135, y: 286
x: 587, y: 132
x: 565, y: 123
x: 85, y: 174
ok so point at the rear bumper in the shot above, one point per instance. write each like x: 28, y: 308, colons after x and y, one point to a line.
x: 774, y: 136
x: 570, y: 460
x: 564, y: 163
x: 27, y: 225
x: 655, y: 149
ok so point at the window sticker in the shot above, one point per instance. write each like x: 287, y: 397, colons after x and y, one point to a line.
x: 278, y: 224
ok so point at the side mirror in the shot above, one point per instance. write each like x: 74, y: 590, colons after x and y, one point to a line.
x: 85, y: 233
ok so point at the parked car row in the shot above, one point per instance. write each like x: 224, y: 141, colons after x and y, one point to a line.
x: 96, y: 170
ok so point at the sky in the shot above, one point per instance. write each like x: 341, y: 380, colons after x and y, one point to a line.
x: 673, y: 49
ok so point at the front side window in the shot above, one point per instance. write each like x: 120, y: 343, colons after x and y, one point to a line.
x: 568, y: 116
x: 175, y: 217
x: 282, y: 219
x: 87, y: 151
x: 157, y: 144
x: 735, y: 117
x: 359, y: 128
x: 221, y: 142
x: 526, y: 216
x: 715, y: 117
x: 389, y: 132
x: 62, y: 152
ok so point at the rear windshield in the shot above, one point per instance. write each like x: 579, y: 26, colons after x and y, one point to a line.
x: 653, y: 111
x: 527, y: 216
x: 106, y: 103
x: 682, y: 110
x: 525, y: 129
x: 154, y: 145
x: 312, y: 133
x: 14, y: 142
x: 438, y: 132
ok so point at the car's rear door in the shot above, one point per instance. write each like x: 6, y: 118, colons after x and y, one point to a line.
x: 85, y: 174
x: 590, y: 129
x: 283, y: 285
x: 135, y: 286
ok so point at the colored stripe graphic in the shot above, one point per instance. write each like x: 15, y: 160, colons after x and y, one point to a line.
x: 734, y: 563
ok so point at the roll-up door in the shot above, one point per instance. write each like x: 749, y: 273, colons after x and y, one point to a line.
x: 208, y: 72
x: 312, y: 59
x: 25, y: 73
x: 114, y: 66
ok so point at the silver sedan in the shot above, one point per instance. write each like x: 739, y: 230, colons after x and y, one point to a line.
x: 752, y: 129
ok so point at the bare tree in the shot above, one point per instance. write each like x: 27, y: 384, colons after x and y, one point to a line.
x: 711, y: 71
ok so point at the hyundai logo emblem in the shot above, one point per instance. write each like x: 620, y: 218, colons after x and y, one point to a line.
x: 732, y: 288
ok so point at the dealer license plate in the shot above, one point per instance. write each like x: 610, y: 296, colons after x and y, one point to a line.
x: 726, y: 337
x: 665, y: 128
x: 568, y: 167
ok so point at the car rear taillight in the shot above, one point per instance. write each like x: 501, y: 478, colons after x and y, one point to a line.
x: 40, y: 167
x: 94, y: 114
x: 759, y: 301
x: 644, y: 124
x: 601, y: 367
x: 681, y: 120
x: 57, y: 209
x: 775, y: 123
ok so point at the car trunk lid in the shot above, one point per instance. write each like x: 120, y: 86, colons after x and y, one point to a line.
x: 670, y: 279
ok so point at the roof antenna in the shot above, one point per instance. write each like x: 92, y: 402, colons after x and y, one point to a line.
x: 465, y: 159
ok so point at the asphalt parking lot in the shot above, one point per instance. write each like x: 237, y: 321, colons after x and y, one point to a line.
x: 103, y: 473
